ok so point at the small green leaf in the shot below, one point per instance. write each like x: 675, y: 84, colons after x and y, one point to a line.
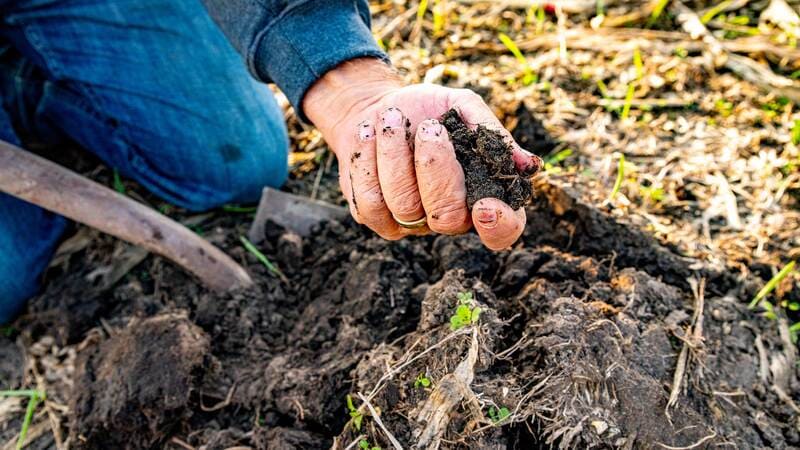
x: 118, y: 185
x: 772, y: 284
x: 364, y: 444
x: 475, y: 316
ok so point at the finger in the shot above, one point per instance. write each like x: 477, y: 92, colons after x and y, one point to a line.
x: 497, y: 224
x: 475, y: 112
x: 396, y: 167
x: 441, y: 180
x: 368, y: 202
x: 347, y: 187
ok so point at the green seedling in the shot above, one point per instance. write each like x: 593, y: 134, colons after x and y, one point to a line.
x: 529, y: 77
x: 707, y: 17
x: 796, y: 132
x: 422, y: 381
x: 498, y: 415
x: 421, y: 9
x: 620, y: 177
x: 34, y: 397
x: 239, y: 209
x: 550, y: 162
x: 118, y: 185
x: 438, y: 18
x: 364, y: 444
x: 772, y: 284
x: 465, y: 314
x: 7, y: 330
x: 262, y: 258
x: 626, y: 107
x: 165, y: 209
x: 795, y: 75
x: 657, y: 11
x: 724, y: 107
x: 655, y: 194
x: 638, y: 63
x: 355, y: 415
x: 793, y: 331
x: 791, y: 306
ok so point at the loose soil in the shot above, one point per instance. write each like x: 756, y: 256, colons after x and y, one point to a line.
x: 489, y: 168
x: 583, y: 325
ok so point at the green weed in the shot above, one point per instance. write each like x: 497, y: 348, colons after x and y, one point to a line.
x: 529, y: 77
x: 498, y: 415
x: 7, y: 330
x: 794, y: 330
x: 796, y: 132
x: 422, y: 381
x: 620, y: 177
x: 626, y: 108
x: 723, y: 107
x: 655, y: 194
x: 707, y: 17
x: 262, y: 258
x: 355, y: 415
x: 772, y: 284
x: 364, y: 444
x: 465, y: 314
x: 657, y: 11
x: 34, y: 397
x: 118, y: 185
x: 239, y: 209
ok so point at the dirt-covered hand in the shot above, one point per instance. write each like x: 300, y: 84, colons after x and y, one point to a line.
x: 396, y: 161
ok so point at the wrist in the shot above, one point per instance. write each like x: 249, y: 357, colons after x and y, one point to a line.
x: 348, y: 89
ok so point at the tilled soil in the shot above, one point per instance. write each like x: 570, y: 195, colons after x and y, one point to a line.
x: 583, y: 325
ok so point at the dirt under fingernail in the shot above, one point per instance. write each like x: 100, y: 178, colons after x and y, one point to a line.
x: 488, y: 163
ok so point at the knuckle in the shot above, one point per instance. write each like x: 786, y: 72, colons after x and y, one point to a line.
x: 470, y: 95
x: 370, y: 200
x: 448, y: 217
x: 405, y: 199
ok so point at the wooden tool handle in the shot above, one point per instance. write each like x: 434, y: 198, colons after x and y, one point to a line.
x: 52, y: 187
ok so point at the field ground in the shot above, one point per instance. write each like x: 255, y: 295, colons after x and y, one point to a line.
x: 620, y: 319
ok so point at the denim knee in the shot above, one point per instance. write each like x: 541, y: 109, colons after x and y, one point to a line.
x: 28, y: 238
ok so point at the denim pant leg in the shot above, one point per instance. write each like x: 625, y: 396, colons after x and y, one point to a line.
x: 28, y: 236
x: 155, y: 89
x: 150, y: 86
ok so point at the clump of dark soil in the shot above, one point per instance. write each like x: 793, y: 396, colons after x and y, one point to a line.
x: 489, y: 168
x: 581, y: 330
x: 132, y: 388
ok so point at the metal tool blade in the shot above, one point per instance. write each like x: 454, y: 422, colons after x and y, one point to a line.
x: 293, y: 212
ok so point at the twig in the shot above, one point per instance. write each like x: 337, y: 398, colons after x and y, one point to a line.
x: 695, y: 445
x: 378, y: 421
x: 221, y: 404
x: 181, y: 443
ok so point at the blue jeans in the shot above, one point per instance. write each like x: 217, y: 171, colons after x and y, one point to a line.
x: 153, y: 88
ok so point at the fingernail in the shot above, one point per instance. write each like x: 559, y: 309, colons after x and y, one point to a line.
x: 366, y: 132
x: 430, y: 130
x: 534, y: 166
x: 487, y: 217
x: 392, y: 118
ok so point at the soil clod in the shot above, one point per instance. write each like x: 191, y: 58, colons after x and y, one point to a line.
x: 489, y: 168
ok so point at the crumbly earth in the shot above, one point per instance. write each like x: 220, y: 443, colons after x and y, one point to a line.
x: 489, y: 169
x: 583, y: 325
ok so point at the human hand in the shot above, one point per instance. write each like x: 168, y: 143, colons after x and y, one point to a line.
x: 396, y: 161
